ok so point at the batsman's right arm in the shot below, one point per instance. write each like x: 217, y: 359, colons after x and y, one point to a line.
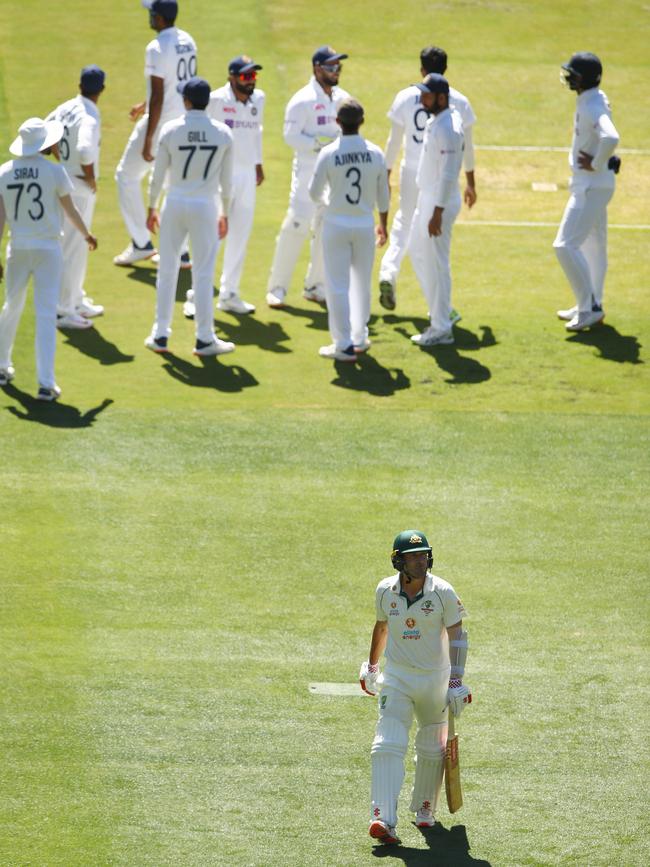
x: 378, y: 641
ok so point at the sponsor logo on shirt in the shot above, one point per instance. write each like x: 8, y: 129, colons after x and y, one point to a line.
x: 321, y: 120
x: 393, y: 604
x: 410, y: 622
x: 319, y: 107
x: 230, y: 110
x: 229, y: 122
x: 393, y: 613
x: 412, y: 633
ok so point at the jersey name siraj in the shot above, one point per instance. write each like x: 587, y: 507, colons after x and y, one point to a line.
x: 30, y: 172
x: 353, y: 157
x: 196, y: 136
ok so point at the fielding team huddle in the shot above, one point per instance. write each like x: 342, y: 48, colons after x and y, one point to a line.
x: 202, y: 150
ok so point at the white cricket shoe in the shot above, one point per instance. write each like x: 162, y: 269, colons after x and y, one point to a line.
x: 314, y: 293
x: 275, y: 297
x: 48, y: 394
x: 347, y: 354
x: 156, y: 344
x: 568, y: 314
x: 89, y: 309
x: 6, y: 375
x: 383, y: 832
x: 362, y: 347
x: 424, y: 819
x: 189, y: 308
x: 234, y: 304
x: 387, y: 295
x: 431, y: 337
x: 73, y: 321
x: 132, y: 254
x: 216, y: 347
x: 582, y: 321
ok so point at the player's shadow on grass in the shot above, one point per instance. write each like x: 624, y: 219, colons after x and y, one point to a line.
x: 611, y: 345
x: 91, y: 342
x: 447, y: 848
x: 144, y: 275
x: 55, y: 414
x: 368, y: 375
x: 315, y: 312
x: 462, y: 369
x: 209, y: 373
x: 249, y: 331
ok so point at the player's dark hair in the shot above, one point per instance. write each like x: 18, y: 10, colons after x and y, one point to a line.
x: 349, y: 128
x: 433, y: 59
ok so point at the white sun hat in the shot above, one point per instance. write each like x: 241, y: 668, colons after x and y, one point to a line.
x: 35, y: 135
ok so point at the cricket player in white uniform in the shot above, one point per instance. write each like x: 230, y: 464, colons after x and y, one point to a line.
x: 351, y: 173
x: 170, y: 59
x: 408, y: 120
x: 437, y: 208
x: 309, y: 123
x: 419, y: 624
x: 196, y: 151
x: 79, y: 153
x: 581, y: 242
x: 34, y: 193
x: 240, y: 106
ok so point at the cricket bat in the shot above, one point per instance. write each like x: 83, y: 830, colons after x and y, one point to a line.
x: 452, y: 768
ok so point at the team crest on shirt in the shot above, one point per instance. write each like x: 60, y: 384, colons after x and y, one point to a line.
x: 427, y: 607
x: 253, y: 111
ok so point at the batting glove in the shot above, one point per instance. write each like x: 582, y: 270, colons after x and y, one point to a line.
x: 458, y: 695
x: 368, y: 675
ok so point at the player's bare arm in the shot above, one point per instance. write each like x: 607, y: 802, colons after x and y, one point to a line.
x: 469, y: 196
x: 381, y: 230
x: 89, y: 176
x: 155, y: 110
x: 75, y: 218
x: 3, y: 218
x: 259, y: 174
x: 378, y: 641
x: 153, y: 220
x: 222, y: 227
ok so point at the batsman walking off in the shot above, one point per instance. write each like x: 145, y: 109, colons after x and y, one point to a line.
x: 419, y: 629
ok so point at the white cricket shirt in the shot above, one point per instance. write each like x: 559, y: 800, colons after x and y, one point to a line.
x: 354, y: 172
x: 81, y: 134
x: 197, y: 152
x: 441, y: 158
x: 245, y: 120
x: 311, y: 114
x: 417, y: 633
x: 30, y: 188
x: 172, y: 57
x: 595, y: 134
x: 408, y: 112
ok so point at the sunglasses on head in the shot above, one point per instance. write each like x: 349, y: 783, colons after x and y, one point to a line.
x: 247, y: 76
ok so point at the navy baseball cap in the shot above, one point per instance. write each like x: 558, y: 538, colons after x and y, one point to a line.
x: 195, y: 90
x: 434, y: 83
x: 240, y: 64
x: 92, y: 79
x: 167, y: 8
x: 326, y: 54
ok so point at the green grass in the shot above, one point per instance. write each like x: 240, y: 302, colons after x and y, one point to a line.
x: 187, y: 545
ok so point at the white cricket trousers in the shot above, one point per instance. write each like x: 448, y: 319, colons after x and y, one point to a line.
x: 581, y: 244
x: 240, y: 223
x: 391, y: 261
x: 431, y: 257
x: 198, y: 218
x: 407, y: 692
x: 349, y: 253
x: 75, y: 249
x: 130, y: 171
x: 302, y: 217
x: 45, y: 265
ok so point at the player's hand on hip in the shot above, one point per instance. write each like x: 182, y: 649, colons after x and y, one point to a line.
x: 222, y: 227
x: 458, y: 696
x: 368, y: 675
x: 584, y: 161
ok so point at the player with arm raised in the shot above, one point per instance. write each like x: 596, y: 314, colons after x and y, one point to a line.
x: 34, y: 194
x: 408, y: 120
x: 351, y: 171
x: 196, y: 152
x: 309, y: 123
x: 419, y: 627
x: 170, y: 59
x: 79, y: 154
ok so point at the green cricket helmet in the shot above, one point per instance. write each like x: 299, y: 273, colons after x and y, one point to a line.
x: 406, y: 542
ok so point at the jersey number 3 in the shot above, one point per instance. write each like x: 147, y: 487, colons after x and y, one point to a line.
x: 354, y: 172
